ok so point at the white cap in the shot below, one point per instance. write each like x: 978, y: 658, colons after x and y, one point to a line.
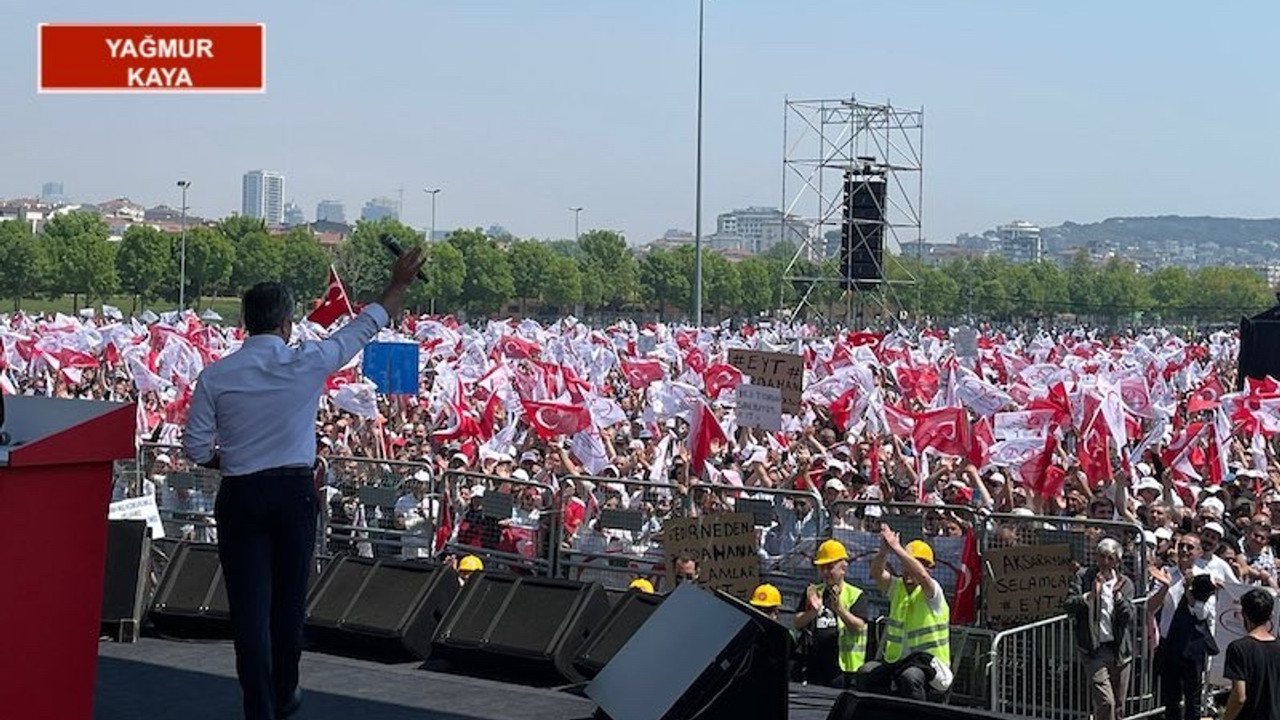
x: 1214, y: 527
x: 836, y: 485
x: 423, y: 475
x: 477, y: 491
x: 1143, y: 469
x: 1147, y: 483
x: 995, y: 477
x: 1023, y: 511
x: 1163, y: 533
x: 874, y: 511
x: 529, y: 456
x: 164, y: 458
x: 1149, y: 538
x: 460, y: 456
x: 1213, y: 506
x: 503, y: 457
x: 520, y: 474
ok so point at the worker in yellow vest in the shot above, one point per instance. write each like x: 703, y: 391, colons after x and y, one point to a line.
x: 916, y: 649
x: 835, y: 613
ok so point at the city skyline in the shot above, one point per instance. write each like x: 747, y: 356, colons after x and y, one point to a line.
x: 1044, y: 113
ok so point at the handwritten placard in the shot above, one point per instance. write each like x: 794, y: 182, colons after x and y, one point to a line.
x: 139, y: 508
x: 759, y: 407
x: 724, y: 546
x: 1025, y: 584
x: 775, y: 370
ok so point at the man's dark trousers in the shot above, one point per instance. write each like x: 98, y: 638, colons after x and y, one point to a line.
x: 266, y: 537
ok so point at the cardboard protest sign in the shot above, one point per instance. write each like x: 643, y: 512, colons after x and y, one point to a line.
x: 724, y: 546
x: 775, y: 370
x: 1025, y: 584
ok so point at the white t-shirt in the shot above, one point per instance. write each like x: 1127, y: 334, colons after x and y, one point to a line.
x: 416, y: 542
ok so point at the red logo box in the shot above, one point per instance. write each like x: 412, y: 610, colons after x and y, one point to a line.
x: 86, y: 57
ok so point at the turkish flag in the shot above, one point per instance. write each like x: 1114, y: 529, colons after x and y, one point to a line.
x: 720, y: 377
x: 945, y: 430
x: 704, y: 433
x: 1092, y: 444
x: 642, y: 373
x: 334, y: 304
x: 980, y: 442
x: 551, y: 419
x: 1038, y: 472
x: 517, y: 348
x: 696, y: 360
x: 843, y: 407
x: 1208, y: 396
x: 964, y: 609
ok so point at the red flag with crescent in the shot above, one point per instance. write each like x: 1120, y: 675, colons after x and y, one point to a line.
x: 334, y: 304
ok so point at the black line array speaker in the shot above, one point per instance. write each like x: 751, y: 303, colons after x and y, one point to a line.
x: 851, y: 705
x: 124, y: 587
x: 627, y: 615
x: 1259, y: 347
x: 191, y: 601
x: 862, y: 233
x: 524, y: 629
x: 378, y: 609
x: 699, y: 655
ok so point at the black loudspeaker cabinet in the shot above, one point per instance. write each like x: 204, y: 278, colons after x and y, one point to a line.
x: 1259, y: 347
x: 631, y: 611
x: 378, y: 609
x: 700, y: 654
x: 852, y: 705
x: 523, y: 629
x: 862, y: 235
x: 124, y: 586
x: 191, y: 601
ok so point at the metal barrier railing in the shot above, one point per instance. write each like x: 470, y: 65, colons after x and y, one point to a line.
x: 617, y: 537
x: 1036, y: 672
x: 513, y: 523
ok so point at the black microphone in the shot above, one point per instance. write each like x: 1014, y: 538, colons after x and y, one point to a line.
x: 389, y: 242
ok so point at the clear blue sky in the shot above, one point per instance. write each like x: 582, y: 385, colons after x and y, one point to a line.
x: 1043, y: 111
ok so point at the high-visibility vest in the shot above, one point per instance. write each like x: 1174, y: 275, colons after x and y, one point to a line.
x: 915, y: 627
x: 853, y: 643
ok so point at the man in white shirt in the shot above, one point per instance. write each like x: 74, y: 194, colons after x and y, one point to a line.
x: 416, y: 514
x: 1186, y: 606
x: 253, y: 417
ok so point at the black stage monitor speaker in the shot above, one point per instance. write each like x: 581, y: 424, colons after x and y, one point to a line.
x: 699, y: 655
x: 1259, y: 347
x: 191, y: 601
x: 627, y: 615
x: 125, y: 585
x: 524, y: 629
x: 862, y: 233
x: 378, y: 609
x: 853, y: 705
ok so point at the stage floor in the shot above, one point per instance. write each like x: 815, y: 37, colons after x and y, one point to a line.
x: 196, y: 681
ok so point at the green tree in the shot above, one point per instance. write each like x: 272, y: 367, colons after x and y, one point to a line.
x: 84, y: 260
x: 1081, y: 281
x: 1052, y: 288
x: 445, y: 270
x: 25, y: 259
x: 1225, y: 293
x: 238, y: 227
x: 488, y: 284
x: 259, y: 257
x: 1119, y: 289
x: 530, y: 263
x: 720, y: 281
x: 563, y: 287
x: 210, y: 258
x: 304, y: 266
x: 606, y: 253
x: 759, y: 285
x: 663, y: 281
x: 144, y: 261
x: 1170, y: 289
x: 363, y: 263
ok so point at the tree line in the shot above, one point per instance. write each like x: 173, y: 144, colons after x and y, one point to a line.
x: 474, y: 273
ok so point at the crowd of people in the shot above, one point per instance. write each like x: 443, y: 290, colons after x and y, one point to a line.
x: 524, y: 437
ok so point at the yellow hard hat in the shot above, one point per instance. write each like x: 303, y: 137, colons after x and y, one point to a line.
x: 470, y: 563
x: 766, y: 596
x: 642, y: 585
x: 921, y: 551
x: 830, y: 551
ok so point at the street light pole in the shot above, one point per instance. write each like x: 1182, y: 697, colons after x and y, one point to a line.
x: 182, y: 228
x: 432, y: 192
x: 697, y: 193
x: 432, y: 237
x: 576, y: 212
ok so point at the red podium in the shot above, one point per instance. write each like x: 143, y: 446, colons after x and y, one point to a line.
x: 55, y: 486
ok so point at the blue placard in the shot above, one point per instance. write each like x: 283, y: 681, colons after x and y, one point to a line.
x: 392, y: 366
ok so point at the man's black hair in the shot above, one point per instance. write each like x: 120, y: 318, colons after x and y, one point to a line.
x: 1257, y: 606
x: 266, y: 306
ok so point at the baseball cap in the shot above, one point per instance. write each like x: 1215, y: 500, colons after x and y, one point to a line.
x: 1213, y: 526
x: 835, y: 485
x: 520, y: 474
x: 1212, y: 506
x: 1147, y: 483
x: 530, y: 456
